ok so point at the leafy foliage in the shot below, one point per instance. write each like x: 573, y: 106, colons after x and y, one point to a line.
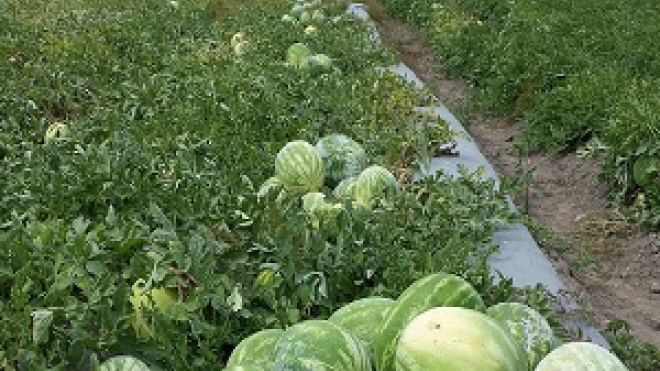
x: 168, y: 130
x: 571, y: 77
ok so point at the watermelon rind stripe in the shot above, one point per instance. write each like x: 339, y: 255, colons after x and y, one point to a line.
x: 435, y: 290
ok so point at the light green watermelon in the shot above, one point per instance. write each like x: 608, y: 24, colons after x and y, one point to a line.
x: 318, y: 345
x: 580, y: 356
x: 299, y: 167
x: 458, y: 339
x: 345, y: 190
x: 123, y: 363
x: 435, y: 290
x: 297, y: 54
x: 374, y: 183
x: 527, y: 326
x: 256, y: 348
x: 342, y: 156
x: 362, y: 316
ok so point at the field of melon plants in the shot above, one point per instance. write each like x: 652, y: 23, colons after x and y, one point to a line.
x: 581, y: 76
x: 210, y: 185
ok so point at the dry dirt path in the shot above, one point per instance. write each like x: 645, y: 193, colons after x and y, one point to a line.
x: 565, y: 196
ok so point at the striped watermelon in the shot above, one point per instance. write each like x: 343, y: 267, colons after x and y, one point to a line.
x: 299, y: 167
x: 256, y: 348
x: 375, y: 182
x: 342, y: 156
x: 345, y: 190
x: 580, y: 356
x: 458, y: 339
x: 319, y: 345
x: 123, y: 363
x: 435, y: 290
x: 362, y: 316
x: 527, y: 326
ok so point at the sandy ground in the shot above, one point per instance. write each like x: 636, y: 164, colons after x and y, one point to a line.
x: 564, y: 195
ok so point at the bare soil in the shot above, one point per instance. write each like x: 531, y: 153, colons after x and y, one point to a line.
x: 564, y: 195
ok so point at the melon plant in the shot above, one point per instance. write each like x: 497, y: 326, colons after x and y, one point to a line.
x: 299, y: 167
x: 345, y: 190
x: 458, y: 339
x: 435, y: 290
x: 255, y: 349
x: 374, y: 183
x: 342, y: 157
x: 362, y: 316
x: 528, y: 327
x: 320, y: 345
x: 297, y: 54
x: 123, y: 363
x: 580, y: 356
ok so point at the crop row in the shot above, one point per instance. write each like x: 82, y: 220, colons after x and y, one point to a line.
x: 580, y: 76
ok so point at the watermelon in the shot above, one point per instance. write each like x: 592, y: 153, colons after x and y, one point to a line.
x: 297, y: 54
x: 342, y: 156
x: 362, y: 316
x: 345, y: 190
x: 57, y: 132
x: 435, y: 290
x: 255, y: 349
x: 580, y: 356
x: 123, y: 363
x: 299, y: 167
x: 374, y: 183
x: 320, y: 345
x: 528, y: 327
x: 458, y: 339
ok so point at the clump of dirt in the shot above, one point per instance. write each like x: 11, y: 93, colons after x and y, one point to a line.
x: 564, y: 195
